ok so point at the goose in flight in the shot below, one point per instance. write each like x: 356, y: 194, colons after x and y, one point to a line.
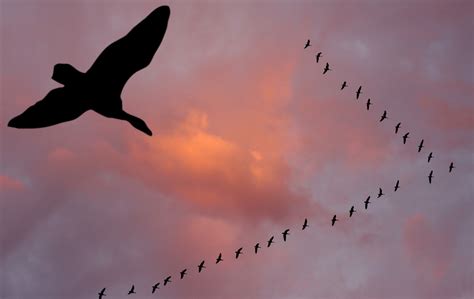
x: 167, y: 280
x: 451, y: 166
x: 397, y: 127
x: 326, y: 68
x: 384, y: 115
x: 366, y: 202
x: 238, y: 252
x: 100, y: 88
x: 102, y: 293
x: 430, y: 156
x: 420, y: 146
x: 182, y: 273
x: 344, y: 85
x: 319, y: 55
x: 285, y: 233
x: 219, y: 258
x: 270, y: 242
x: 405, y: 137
x: 307, y: 44
x: 333, y: 220
x: 154, y: 288
x: 256, y: 247
x: 132, y: 290
x: 358, y: 92
x: 305, y: 224
x: 368, y: 104
x: 397, y: 186
x: 380, y: 193
x: 201, y: 266
x: 351, y: 211
x: 430, y: 177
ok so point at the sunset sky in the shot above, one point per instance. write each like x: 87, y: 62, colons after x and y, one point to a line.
x: 249, y: 139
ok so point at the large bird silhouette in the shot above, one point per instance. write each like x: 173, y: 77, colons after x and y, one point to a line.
x: 99, y: 89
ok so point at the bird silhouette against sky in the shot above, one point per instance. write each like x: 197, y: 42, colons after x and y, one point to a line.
x: 102, y: 293
x: 305, y: 224
x: 270, y: 241
x: 201, y: 266
x: 333, y: 220
x: 420, y: 146
x: 326, y: 68
x: 238, y: 253
x: 368, y: 104
x: 430, y: 176
x: 256, y: 247
x: 132, y: 290
x: 285, y: 234
x: 318, y: 56
x: 219, y: 258
x: 451, y: 167
x: 358, y: 92
x: 167, y: 280
x: 155, y: 287
x: 430, y: 156
x: 344, y: 85
x: 182, y: 273
x: 351, y: 211
x: 308, y: 44
x: 366, y: 202
x: 397, y: 186
x: 384, y: 116
x: 99, y: 89
x: 380, y: 193
x: 405, y: 137
x: 397, y: 127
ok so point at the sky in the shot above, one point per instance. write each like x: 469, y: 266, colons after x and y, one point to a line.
x: 250, y: 138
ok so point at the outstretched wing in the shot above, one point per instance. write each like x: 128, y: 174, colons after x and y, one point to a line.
x: 133, y: 52
x: 58, y: 106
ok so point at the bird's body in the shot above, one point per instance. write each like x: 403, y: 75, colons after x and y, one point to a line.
x: 420, y: 146
x: 451, y: 167
x: 154, y: 288
x: 102, y: 293
x: 384, y: 116
x: 305, y: 224
x: 256, y: 247
x: 201, y: 266
x: 358, y: 92
x: 100, y: 88
x: 182, y: 273
x: 397, y: 127
x: 219, y: 258
x: 344, y: 85
x: 270, y: 241
x: 430, y: 176
x: 333, y: 220
x: 326, y: 68
x: 366, y: 202
x: 132, y: 290
x: 368, y: 104
x: 405, y: 137
x: 318, y: 56
x: 238, y: 253
x: 308, y: 44
x: 430, y: 156
x: 167, y: 280
x: 285, y: 234
x: 397, y: 186
x: 351, y: 211
x: 380, y: 193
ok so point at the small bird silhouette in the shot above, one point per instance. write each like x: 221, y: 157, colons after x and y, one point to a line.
x: 358, y: 92
x: 182, y: 273
x: 333, y: 220
x: 219, y: 258
x: 132, y: 290
x: 405, y: 137
x: 344, y: 85
x: 430, y: 176
x: 167, y: 280
x: 201, y: 266
x: 420, y: 146
x: 351, y: 211
x: 256, y: 247
x: 307, y: 44
x: 319, y: 55
x: 397, y: 127
x: 367, y: 201
x: 380, y: 193
x: 102, y: 293
x: 368, y: 104
x: 238, y: 252
x: 100, y: 88
x: 155, y: 287
x: 285, y: 233
x: 326, y: 68
x: 451, y: 167
x: 397, y: 186
x: 305, y: 224
x: 384, y: 116
x: 430, y: 156
x: 270, y: 242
